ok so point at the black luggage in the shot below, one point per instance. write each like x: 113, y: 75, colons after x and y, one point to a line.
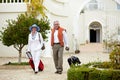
x: 73, y: 60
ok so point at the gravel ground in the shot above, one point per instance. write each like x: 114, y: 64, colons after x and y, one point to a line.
x: 26, y: 73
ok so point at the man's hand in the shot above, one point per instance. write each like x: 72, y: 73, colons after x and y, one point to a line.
x: 28, y: 52
x: 67, y: 48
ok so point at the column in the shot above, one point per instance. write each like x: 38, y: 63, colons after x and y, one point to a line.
x: 2, y: 1
x: 17, y: 1
x: 10, y: 1
x: 13, y: 1
x: 6, y: 1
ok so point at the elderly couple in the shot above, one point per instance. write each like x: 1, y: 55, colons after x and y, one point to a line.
x: 58, y: 39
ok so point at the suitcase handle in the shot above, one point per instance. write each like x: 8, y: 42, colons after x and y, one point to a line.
x: 29, y: 55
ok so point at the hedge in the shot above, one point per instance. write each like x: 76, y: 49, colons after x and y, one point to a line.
x: 84, y: 73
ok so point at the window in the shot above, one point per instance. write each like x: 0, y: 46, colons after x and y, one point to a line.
x: 92, y: 5
x: 118, y: 6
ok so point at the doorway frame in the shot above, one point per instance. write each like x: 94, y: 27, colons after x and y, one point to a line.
x: 97, y: 27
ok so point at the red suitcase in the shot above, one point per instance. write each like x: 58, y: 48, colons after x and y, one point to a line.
x: 41, y: 65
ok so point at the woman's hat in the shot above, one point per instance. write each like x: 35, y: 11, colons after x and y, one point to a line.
x: 34, y: 26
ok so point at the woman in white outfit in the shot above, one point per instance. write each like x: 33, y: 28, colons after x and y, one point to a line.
x: 35, y: 43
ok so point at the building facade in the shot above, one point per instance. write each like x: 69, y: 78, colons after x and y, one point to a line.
x: 86, y: 21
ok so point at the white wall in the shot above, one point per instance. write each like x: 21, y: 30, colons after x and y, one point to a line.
x: 104, y: 16
x: 68, y: 13
x: 10, y: 11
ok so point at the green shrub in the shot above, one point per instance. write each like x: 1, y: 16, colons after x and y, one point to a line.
x: 115, y: 75
x: 94, y: 75
x: 105, y: 75
x: 75, y: 74
x: 78, y: 73
x: 84, y: 73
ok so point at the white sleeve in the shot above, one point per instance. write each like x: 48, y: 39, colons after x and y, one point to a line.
x: 65, y: 38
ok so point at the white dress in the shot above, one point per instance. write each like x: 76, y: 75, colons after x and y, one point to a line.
x: 34, y: 46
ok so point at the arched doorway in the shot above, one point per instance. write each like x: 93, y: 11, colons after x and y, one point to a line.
x: 95, y: 32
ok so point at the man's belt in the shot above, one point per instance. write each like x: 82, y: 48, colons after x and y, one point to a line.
x: 56, y: 43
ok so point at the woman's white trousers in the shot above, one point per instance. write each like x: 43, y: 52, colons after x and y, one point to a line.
x: 36, y: 59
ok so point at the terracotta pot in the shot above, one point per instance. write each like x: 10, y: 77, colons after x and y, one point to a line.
x: 77, y: 51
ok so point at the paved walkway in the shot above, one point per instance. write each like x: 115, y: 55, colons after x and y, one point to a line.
x: 48, y: 73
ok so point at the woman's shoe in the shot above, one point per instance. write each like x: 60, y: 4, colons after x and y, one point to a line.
x: 58, y: 72
x: 36, y: 72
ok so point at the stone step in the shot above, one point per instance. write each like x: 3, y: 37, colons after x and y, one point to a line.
x: 91, y: 47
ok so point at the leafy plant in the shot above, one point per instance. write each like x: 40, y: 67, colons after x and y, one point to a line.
x: 36, y: 7
x: 16, y: 32
x: 17, y: 64
x: 113, y: 45
x: 115, y: 57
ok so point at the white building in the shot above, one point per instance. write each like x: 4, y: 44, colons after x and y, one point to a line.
x: 86, y: 21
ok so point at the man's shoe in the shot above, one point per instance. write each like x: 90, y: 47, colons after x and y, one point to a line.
x: 59, y: 72
x: 56, y: 72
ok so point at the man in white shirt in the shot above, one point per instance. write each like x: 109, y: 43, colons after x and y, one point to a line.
x: 58, y: 40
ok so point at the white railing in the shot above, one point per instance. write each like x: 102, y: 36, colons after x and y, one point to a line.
x: 13, y: 6
x: 12, y: 1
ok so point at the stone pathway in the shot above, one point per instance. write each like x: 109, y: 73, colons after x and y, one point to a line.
x: 27, y: 73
